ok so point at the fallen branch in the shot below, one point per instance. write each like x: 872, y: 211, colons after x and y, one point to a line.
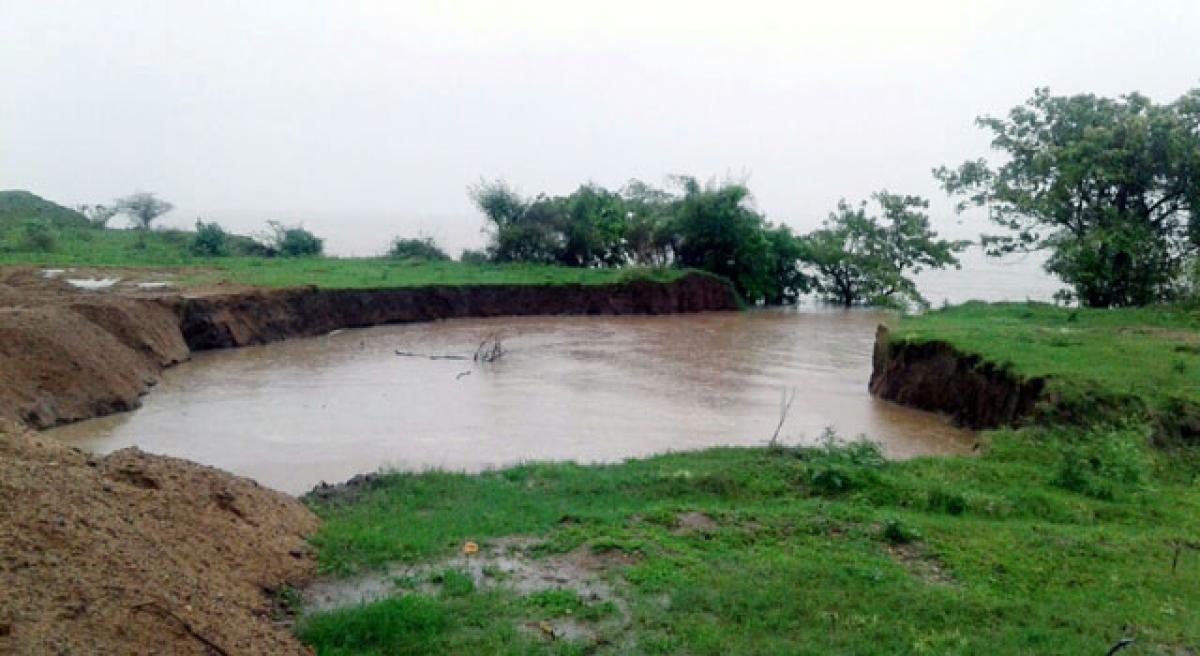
x: 462, y: 373
x: 410, y: 354
x: 490, y: 349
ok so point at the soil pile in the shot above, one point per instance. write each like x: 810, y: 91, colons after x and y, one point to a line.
x: 67, y: 355
x: 141, y: 554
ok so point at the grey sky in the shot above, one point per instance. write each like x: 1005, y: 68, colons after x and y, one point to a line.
x: 368, y: 119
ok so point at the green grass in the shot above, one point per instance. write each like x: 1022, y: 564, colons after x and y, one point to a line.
x: 159, y: 250
x: 1057, y: 539
x: 803, y: 559
x: 1148, y: 355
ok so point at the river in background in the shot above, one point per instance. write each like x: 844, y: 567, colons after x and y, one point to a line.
x: 589, y: 389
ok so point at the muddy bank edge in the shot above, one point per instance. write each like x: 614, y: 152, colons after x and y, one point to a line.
x: 78, y: 356
x: 937, y: 377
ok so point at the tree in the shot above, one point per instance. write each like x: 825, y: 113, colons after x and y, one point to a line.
x: 719, y: 232
x: 143, y: 208
x: 1109, y: 186
x: 856, y: 258
x: 98, y: 215
x: 593, y: 221
x: 519, y: 230
x: 291, y: 241
x: 418, y: 248
x: 210, y: 240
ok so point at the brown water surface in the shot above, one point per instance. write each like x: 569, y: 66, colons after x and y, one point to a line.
x: 582, y: 388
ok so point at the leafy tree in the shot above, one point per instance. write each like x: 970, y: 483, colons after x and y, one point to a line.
x: 856, y: 258
x: 1109, y: 186
x: 649, y: 230
x: 787, y: 281
x: 291, y: 241
x: 593, y: 220
x: 99, y: 215
x: 519, y: 230
x: 210, y: 240
x: 717, y: 231
x: 419, y: 248
x: 143, y: 208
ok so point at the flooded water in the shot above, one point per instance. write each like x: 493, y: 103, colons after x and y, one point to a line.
x: 580, y: 388
x: 585, y: 388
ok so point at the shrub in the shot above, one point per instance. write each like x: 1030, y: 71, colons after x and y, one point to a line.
x: 38, y: 236
x: 421, y: 248
x: 291, y: 241
x: 470, y: 256
x: 1097, y: 463
x: 209, y: 241
x: 895, y: 532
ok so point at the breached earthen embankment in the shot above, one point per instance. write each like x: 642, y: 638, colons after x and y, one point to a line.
x: 67, y: 355
x: 937, y: 377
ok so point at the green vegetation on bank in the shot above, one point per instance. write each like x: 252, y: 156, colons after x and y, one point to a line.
x: 211, y: 256
x: 1097, y: 361
x: 1055, y: 539
x: 809, y: 551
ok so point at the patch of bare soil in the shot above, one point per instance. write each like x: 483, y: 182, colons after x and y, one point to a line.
x: 694, y: 522
x: 140, y: 554
x: 921, y: 564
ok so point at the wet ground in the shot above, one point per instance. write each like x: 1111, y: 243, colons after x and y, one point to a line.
x: 584, y: 388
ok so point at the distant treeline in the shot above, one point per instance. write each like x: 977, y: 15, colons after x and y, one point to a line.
x: 856, y: 256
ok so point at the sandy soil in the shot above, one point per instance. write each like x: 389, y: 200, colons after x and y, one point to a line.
x: 141, y: 554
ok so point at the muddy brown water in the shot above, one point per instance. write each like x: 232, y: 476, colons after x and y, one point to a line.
x: 588, y: 389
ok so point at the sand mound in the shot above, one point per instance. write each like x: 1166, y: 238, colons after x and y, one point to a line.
x: 141, y: 554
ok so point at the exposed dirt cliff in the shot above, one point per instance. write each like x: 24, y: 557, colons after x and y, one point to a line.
x: 935, y: 376
x: 140, y: 554
x: 67, y: 355
x: 259, y: 316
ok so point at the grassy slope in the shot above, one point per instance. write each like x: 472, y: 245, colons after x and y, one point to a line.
x: 1055, y: 541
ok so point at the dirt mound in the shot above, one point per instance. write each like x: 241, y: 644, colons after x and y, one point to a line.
x: 141, y: 554
x: 69, y: 361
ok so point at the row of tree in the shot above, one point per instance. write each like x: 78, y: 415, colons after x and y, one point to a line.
x: 1108, y: 187
x: 856, y: 256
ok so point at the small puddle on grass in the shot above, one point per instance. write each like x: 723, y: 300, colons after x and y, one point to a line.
x: 505, y: 563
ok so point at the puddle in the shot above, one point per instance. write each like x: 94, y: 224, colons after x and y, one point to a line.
x: 505, y: 563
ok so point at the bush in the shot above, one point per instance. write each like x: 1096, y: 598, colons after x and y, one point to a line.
x: 38, y: 236
x: 421, y: 248
x: 1099, y: 462
x: 895, y: 532
x: 469, y: 256
x: 210, y: 240
x: 291, y: 241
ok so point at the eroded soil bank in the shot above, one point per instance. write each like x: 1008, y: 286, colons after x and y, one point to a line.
x: 68, y: 355
x: 937, y: 377
x: 140, y: 554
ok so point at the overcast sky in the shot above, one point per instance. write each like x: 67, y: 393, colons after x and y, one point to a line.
x: 368, y: 119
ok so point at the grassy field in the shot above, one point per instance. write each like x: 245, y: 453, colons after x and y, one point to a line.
x: 77, y: 245
x: 1055, y: 540
x: 1145, y: 355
